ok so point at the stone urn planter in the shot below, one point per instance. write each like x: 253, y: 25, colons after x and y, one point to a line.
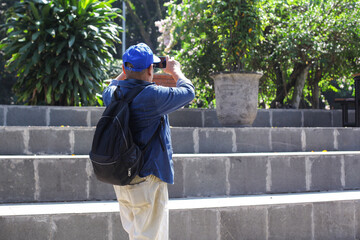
x: 236, y: 96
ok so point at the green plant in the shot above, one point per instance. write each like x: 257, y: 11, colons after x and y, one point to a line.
x: 306, y: 45
x: 209, y: 36
x: 59, y: 49
x: 225, y: 30
x: 7, y: 80
x: 141, y: 18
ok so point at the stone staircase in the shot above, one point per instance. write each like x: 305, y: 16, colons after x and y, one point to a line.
x: 294, y: 175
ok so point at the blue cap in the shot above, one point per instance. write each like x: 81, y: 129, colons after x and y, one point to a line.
x: 140, y: 56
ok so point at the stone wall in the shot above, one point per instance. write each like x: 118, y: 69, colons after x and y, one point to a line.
x: 13, y: 115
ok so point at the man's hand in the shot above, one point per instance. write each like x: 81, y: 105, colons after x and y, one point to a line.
x: 173, y: 68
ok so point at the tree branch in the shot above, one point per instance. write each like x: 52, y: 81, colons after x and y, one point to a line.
x: 146, y: 9
x: 140, y: 24
x: 158, y: 9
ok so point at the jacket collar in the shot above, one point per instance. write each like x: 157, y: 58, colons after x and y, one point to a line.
x: 138, y: 82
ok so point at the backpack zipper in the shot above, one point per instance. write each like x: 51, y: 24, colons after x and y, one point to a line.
x: 129, y: 172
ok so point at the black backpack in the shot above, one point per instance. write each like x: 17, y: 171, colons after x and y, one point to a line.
x: 115, y: 158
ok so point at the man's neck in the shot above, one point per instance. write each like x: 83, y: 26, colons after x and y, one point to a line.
x: 143, y: 78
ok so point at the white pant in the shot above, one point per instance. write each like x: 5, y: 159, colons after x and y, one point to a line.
x: 144, y: 208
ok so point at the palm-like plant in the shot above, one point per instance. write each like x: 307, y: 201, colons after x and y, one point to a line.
x: 59, y: 49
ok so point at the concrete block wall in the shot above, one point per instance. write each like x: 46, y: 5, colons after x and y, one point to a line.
x: 301, y: 221
x: 244, y: 174
x: 51, y: 178
x: 299, y: 173
x: 314, y: 216
x: 78, y: 140
x: 230, y: 140
x: 264, y: 118
x: 105, y: 226
x: 12, y: 115
x: 71, y: 178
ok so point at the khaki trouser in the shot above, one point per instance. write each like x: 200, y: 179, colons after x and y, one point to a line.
x: 144, y: 208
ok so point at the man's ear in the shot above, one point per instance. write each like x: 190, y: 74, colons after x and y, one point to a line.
x: 150, y: 70
x: 122, y: 76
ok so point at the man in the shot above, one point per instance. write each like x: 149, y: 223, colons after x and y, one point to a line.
x: 143, y: 203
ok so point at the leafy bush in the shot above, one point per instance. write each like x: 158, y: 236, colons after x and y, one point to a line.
x: 319, y: 40
x: 211, y: 36
x: 7, y: 80
x: 59, y: 49
x: 306, y: 47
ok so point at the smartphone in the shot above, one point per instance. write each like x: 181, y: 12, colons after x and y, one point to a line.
x: 161, y: 64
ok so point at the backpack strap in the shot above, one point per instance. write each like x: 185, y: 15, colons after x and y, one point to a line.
x: 162, y: 120
x: 129, y: 97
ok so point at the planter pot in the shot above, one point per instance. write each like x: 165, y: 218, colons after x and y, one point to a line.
x: 165, y: 80
x: 236, y: 98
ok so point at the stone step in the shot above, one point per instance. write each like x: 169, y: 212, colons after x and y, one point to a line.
x: 77, y: 140
x: 317, y: 216
x: 13, y: 115
x: 71, y: 178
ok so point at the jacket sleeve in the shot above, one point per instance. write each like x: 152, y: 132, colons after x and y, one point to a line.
x: 170, y: 99
x: 108, y: 92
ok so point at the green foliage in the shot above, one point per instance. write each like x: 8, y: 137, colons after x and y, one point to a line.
x: 113, y: 69
x: 211, y: 36
x: 141, y: 16
x: 7, y: 80
x: 59, y: 49
x: 315, y: 44
x: 324, y: 35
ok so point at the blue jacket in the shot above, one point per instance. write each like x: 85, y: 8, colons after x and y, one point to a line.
x: 146, y: 111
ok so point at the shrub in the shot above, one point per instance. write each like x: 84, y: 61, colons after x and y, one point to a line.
x: 7, y: 80
x: 59, y: 49
x: 211, y: 36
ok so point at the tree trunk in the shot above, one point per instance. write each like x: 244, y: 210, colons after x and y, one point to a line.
x: 283, y: 87
x: 300, y: 74
x: 315, y: 87
x: 140, y: 24
x: 316, y: 97
x: 280, y: 91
